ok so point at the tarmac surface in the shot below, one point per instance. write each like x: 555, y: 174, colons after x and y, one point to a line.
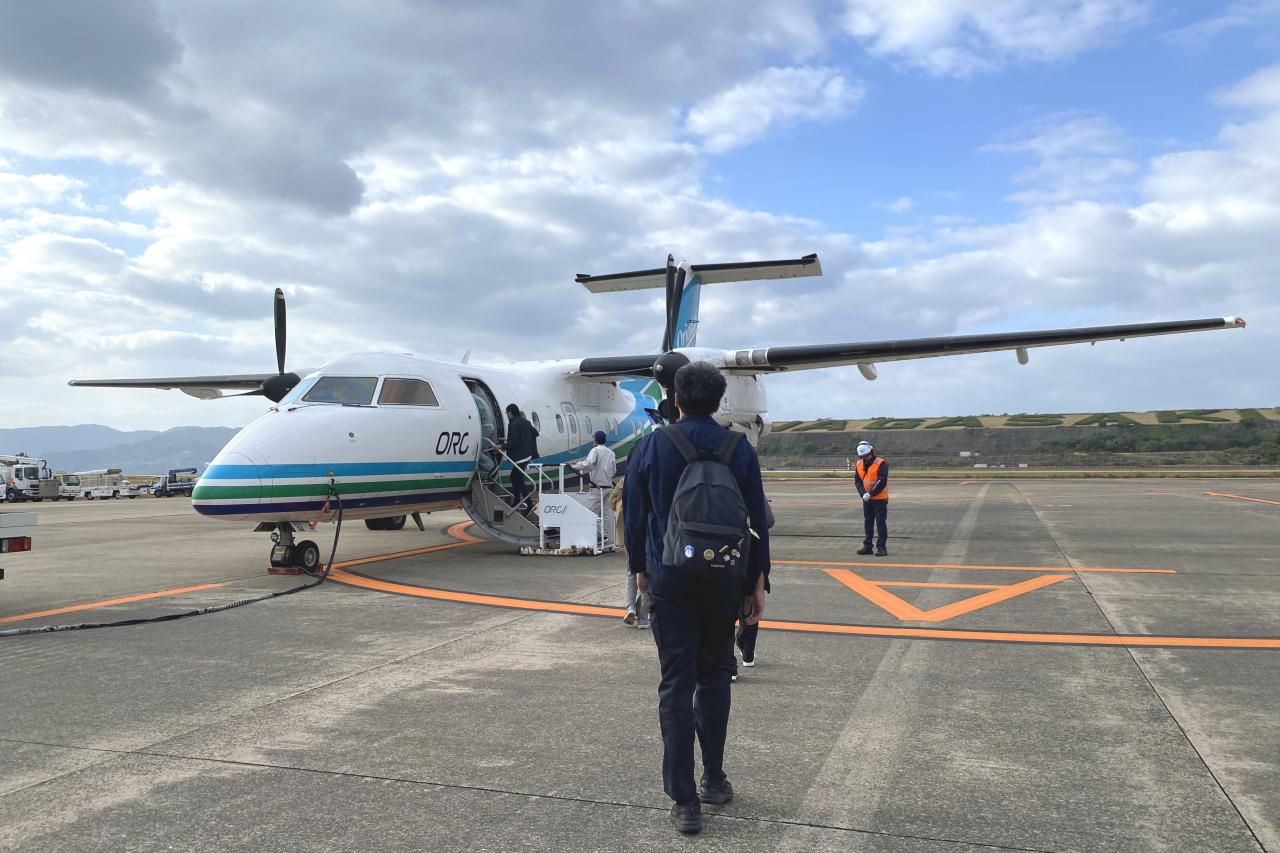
x: 1051, y: 665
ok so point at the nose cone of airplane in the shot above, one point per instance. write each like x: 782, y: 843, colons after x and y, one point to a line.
x: 231, y: 486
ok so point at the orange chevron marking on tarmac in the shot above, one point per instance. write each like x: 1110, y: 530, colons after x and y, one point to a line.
x: 875, y: 592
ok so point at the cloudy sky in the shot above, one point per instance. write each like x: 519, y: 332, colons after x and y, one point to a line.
x: 427, y: 177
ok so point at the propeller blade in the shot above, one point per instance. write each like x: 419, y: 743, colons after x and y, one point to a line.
x: 280, y: 330
x: 670, y: 321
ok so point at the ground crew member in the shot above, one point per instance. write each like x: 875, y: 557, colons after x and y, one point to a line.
x: 598, y: 470
x: 871, y: 478
x: 521, y: 446
x: 693, y: 615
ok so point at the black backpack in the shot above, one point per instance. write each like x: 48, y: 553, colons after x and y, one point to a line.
x: 707, y: 533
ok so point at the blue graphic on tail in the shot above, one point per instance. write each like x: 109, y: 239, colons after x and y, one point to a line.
x: 686, y: 331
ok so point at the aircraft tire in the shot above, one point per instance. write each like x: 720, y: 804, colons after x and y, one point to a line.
x: 395, y: 522
x: 374, y: 524
x: 306, y: 555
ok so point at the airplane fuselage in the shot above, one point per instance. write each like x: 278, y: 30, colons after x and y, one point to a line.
x: 397, y: 434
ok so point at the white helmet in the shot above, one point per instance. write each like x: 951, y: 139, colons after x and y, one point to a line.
x: 864, y: 448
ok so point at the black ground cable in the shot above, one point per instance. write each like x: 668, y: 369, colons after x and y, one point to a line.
x: 169, y: 617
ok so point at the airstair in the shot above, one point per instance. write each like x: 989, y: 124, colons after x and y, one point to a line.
x: 491, y: 505
x: 555, y: 520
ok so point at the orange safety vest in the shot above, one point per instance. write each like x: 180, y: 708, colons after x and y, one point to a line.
x: 869, y: 477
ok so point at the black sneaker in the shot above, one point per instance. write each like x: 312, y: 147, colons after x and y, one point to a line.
x: 686, y: 817
x: 864, y: 550
x: 881, y: 552
x: 715, y: 793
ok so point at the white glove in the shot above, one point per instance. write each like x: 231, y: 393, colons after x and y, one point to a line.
x: 866, y: 496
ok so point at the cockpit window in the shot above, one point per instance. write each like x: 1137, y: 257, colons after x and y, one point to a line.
x: 347, y: 390
x: 407, y: 392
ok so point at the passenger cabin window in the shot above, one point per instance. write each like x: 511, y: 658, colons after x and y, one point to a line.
x: 347, y: 390
x: 537, y: 424
x: 559, y: 424
x: 406, y: 392
x: 573, y: 425
x: 587, y: 422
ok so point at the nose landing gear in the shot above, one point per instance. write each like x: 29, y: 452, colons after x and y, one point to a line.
x: 289, y: 557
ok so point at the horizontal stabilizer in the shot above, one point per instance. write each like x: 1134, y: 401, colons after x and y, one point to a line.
x: 809, y: 265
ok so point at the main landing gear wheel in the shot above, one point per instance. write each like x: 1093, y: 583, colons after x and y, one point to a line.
x: 306, y: 555
x: 395, y: 522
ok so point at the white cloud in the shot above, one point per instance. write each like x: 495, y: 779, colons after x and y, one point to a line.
x: 28, y: 190
x: 435, y: 182
x: 777, y: 96
x: 1243, y: 13
x: 961, y: 37
x: 902, y: 204
x: 1079, y: 156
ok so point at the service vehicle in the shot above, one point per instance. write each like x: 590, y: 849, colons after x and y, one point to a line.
x: 105, y: 483
x: 172, y: 483
x: 27, y: 479
x: 17, y: 529
x: 68, y: 486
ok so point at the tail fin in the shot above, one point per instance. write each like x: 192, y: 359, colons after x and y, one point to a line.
x: 685, y: 331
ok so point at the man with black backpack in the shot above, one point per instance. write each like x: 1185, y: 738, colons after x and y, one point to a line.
x: 698, y: 541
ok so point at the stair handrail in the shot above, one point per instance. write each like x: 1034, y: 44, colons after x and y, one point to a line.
x: 541, y: 473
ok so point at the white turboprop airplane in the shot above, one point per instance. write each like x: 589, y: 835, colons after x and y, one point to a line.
x: 392, y: 435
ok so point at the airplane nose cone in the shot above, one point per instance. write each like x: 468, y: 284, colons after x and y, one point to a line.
x: 230, y: 486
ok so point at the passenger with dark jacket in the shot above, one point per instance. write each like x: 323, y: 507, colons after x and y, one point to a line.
x: 521, y: 446
x: 693, y: 616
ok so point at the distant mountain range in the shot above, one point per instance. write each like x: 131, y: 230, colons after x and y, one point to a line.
x: 89, y: 446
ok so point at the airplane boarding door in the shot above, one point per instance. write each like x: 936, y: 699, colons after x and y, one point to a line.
x: 571, y: 427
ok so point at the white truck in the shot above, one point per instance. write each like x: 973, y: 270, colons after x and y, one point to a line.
x: 105, y: 483
x: 26, y: 479
x: 68, y: 486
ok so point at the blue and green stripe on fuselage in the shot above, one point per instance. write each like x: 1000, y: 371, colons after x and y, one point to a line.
x: 300, y: 491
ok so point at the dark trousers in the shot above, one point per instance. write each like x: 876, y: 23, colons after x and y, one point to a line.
x: 747, y: 635
x: 519, y: 485
x: 692, y: 623
x: 875, y: 515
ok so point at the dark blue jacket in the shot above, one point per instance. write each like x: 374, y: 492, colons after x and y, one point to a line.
x: 653, y: 471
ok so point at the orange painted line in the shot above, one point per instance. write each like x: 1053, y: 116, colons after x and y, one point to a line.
x: 974, y: 568
x: 995, y: 596
x: 1243, y: 498
x: 471, y: 597
x: 1115, y: 640
x: 935, y: 585
x: 92, y: 605
x: 1118, y: 640
x: 908, y: 612
x: 458, y: 531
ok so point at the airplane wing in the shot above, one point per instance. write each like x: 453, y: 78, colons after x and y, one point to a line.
x: 867, y: 354
x: 778, y: 359
x: 202, y: 387
x: 804, y: 267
